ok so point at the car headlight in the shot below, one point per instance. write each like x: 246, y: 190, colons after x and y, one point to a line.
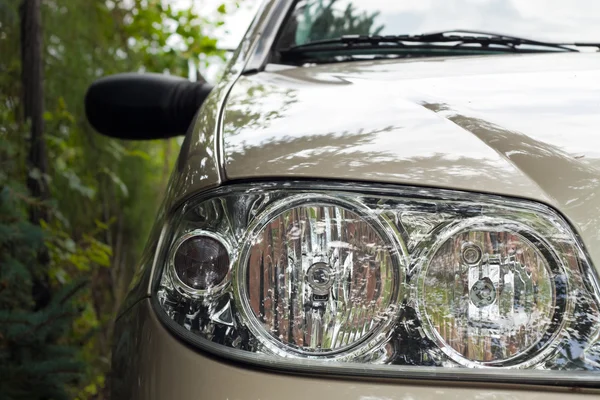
x: 380, y: 280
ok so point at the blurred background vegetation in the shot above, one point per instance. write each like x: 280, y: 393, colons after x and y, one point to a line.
x: 75, y: 207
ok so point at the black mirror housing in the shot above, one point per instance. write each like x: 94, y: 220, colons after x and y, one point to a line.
x: 143, y: 106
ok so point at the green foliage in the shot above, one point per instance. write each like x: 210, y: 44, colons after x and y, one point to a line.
x: 34, y: 362
x: 104, y: 193
x: 167, y: 38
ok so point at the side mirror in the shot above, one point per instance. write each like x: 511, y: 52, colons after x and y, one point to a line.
x: 143, y: 106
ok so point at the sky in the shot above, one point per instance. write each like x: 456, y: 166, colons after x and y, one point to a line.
x: 230, y: 34
x: 236, y: 22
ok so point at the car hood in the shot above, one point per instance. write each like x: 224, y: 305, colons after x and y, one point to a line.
x: 520, y: 125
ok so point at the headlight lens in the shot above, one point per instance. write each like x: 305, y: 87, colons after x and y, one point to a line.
x: 318, y: 278
x: 491, y: 296
x: 200, y: 261
x: 387, y: 277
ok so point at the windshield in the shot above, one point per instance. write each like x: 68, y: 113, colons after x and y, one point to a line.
x: 542, y: 20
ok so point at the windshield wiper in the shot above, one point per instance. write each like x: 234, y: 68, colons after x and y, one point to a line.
x: 454, y: 39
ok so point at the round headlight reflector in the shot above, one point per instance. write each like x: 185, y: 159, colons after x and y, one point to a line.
x: 200, y: 261
x: 320, y: 279
x: 492, y: 296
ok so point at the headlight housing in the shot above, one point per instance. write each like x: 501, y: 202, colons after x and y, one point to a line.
x: 359, y: 279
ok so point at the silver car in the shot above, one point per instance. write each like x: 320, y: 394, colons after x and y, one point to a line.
x: 378, y: 200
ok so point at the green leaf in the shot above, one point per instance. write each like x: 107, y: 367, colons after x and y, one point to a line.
x: 138, y: 153
x: 70, y: 245
x: 35, y: 174
x: 117, y: 181
x: 101, y: 224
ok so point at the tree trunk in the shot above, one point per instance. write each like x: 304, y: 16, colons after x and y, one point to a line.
x: 32, y: 81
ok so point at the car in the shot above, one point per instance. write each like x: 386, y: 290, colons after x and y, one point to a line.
x: 358, y: 212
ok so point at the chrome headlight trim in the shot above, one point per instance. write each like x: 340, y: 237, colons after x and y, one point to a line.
x: 583, y: 379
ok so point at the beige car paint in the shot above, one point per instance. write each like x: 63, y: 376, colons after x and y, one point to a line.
x: 520, y: 126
